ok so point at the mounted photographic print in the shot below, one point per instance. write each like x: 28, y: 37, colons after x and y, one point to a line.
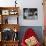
x: 5, y: 12
x: 30, y: 13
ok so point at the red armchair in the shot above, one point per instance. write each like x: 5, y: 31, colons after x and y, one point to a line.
x: 29, y: 33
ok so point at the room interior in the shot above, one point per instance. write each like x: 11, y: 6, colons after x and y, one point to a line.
x: 16, y: 16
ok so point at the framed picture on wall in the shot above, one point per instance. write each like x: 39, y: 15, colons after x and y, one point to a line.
x: 30, y: 13
x: 5, y: 12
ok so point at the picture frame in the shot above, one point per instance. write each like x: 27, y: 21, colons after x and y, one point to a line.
x: 5, y: 12
x: 13, y: 12
x: 30, y: 13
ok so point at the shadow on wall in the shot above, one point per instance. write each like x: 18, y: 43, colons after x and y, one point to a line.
x: 37, y: 29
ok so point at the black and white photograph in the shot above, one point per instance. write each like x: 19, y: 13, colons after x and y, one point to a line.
x: 30, y: 13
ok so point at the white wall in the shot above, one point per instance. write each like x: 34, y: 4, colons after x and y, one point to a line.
x: 32, y: 4
x: 27, y: 4
x: 7, y: 3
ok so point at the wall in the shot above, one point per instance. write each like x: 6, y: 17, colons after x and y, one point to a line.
x: 26, y: 4
x: 31, y: 4
x: 7, y: 3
